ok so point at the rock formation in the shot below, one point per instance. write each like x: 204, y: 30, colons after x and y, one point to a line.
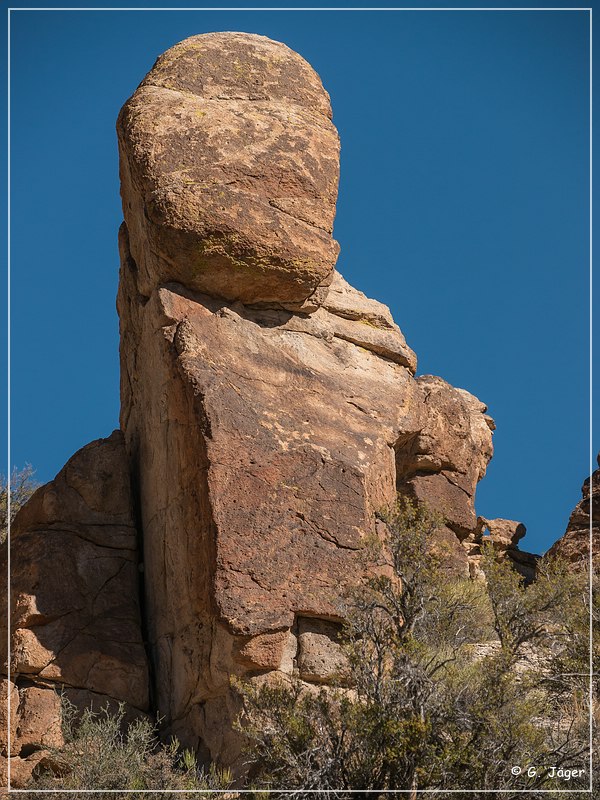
x: 229, y: 171
x: 75, y: 611
x: 268, y: 411
x: 583, y: 525
x: 504, y: 535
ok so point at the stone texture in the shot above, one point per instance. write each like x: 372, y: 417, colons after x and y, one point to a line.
x: 574, y: 545
x: 441, y: 463
x: 7, y: 728
x: 268, y: 410
x: 264, y: 444
x: 38, y: 715
x: 229, y: 172
x: 75, y: 612
x: 344, y: 300
x: 320, y: 657
x: 21, y: 769
x: 504, y: 535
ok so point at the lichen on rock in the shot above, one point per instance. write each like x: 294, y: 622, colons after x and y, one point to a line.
x: 229, y: 172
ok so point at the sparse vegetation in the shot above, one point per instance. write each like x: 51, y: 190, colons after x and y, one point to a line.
x: 22, y: 486
x: 101, y: 752
x: 450, y: 684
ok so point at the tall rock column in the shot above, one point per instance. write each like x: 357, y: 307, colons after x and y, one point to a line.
x: 269, y: 409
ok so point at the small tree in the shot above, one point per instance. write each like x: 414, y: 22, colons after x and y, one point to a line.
x: 22, y: 486
x: 536, y: 614
x: 436, y: 694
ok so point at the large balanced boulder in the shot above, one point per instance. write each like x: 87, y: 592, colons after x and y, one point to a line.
x: 229, y: 172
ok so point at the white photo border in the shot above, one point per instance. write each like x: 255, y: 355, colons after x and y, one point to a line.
x: 11, y: 10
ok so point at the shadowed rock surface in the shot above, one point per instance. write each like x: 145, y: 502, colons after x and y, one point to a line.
x: 268, y: 411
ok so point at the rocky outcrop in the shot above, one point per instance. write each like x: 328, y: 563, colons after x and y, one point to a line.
x: 504, y: 535
x: 263, y: 450
x: 263, y: 437
x: 268, y: 411
x: 75, y: 613
x: 583, y: 527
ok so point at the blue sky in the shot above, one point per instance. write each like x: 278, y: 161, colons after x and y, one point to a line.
x: 463, y: 206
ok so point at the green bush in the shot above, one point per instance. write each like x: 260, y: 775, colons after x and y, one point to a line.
x: 450, y: 683
x: 22, y: 486
x: 101, y: 752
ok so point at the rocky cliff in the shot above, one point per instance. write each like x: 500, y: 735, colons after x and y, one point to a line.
x: 268, y: 411
x: 583, y: 528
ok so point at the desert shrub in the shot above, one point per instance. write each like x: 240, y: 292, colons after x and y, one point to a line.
x: 450, y: 683
x: 102, y: 752
x: 22, y: 486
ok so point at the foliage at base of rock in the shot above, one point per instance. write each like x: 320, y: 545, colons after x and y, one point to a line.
x: 101, y: 752
x: 423, y: 703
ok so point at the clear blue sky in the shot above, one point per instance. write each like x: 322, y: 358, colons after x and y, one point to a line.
x: 463, y: 206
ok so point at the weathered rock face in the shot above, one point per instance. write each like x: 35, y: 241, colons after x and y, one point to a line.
x: 268, y: 410
x: 504, y: 535
x: 263, y: 440
x: 574, y: 545
x: 264, y: 443
x: 75, y: 612
x: 229, y: 172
